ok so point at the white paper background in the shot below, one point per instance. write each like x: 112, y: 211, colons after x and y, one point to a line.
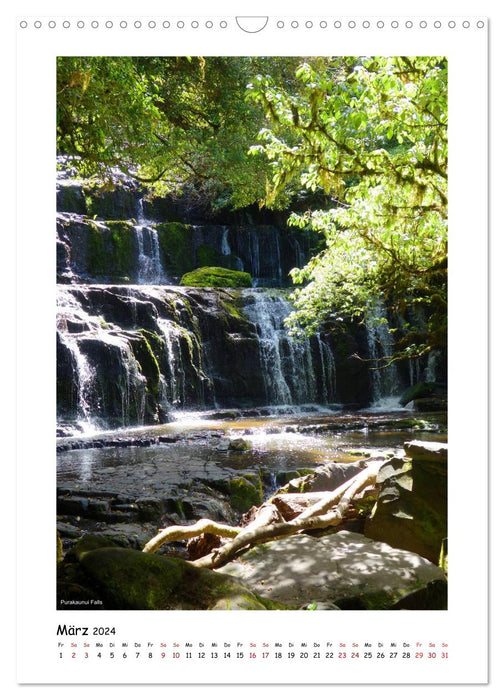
x: 463, y: 626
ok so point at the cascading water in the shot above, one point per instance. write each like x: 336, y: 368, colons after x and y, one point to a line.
x: 328, y: 370
x: 176, y: 380
x: 288, y: 365
x: 98, y: 348
x: 68, y: 311
x: 225, y: 247
x: 267, y: 313
x: 150, y: 269
x: 386, y: 385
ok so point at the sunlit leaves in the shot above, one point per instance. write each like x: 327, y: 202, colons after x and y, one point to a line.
x: 372, y: 133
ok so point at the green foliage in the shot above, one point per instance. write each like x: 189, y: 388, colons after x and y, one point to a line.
x: 216, y: 277
x: 372, y: 133
x: 367, y: 133
x: 171, y: 122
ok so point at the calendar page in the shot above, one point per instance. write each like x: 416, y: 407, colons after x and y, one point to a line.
x: 239, y: 440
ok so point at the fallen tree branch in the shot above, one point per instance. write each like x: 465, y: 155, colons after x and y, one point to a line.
x: 176, y: 533
x: 315, y: 517
x: 326, y: 512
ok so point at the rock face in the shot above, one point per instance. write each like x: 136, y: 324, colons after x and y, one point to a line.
x: 128, y: 355
x: 123, y: 579
x: 426, y: 396
x: 134, y: 492
x: 345, y: 569
x: 103, y: 234
x: 411, y: 512
x: 131, y: 351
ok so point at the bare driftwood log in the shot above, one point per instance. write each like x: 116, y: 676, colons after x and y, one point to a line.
x: 328, y: 510
x: 316, y: 517
x: 176, y: 533
x: 290, y: 505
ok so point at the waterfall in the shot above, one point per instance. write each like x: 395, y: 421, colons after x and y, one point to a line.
x: 328, y: 370
x: 225, y: 247
x: 386, y: 383
x: 288, y: 365
x: 70, y: 312
x: 176, y: 379
x: 150, y: 269
x: 104, y: 369
x: 83, y: 376
x: 267, y: 313
x: 430, y: 370
x: 128, y: 355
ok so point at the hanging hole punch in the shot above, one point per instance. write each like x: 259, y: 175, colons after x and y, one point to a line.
x: 252, y: 25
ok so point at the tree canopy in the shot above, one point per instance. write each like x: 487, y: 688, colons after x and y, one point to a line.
x: 168, y: 121
x: 370, y: 132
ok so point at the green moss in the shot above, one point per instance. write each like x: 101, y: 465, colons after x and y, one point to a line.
x: 175, y: 245
x: 111, y: 250
x: 132, y: 580
x: 230, y: 309
x: 147, y: 360
x: 208, y: 256
x: 97, y: 251
x: 157, y: 344
x: 245, y: 492
x: 216, y: 277
x: 123, y: 236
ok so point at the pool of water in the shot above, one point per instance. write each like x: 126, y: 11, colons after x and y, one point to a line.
x: 199, y: 444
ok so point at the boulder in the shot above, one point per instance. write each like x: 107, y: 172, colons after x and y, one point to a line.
x: 421, y: 451
x: 427, y: 392
x: 216, y: 277
x: 239, y: 445
x: 345, y: 569
x: 325, y: 478
x: 125, y: 579
x: 411, y: 510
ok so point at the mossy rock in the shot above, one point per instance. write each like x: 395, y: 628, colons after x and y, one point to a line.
x: 411, y: 510
x: 208, y: 256
x: 111, y: 250
x: 245, y: 492
x: 176, y: 247
x: 110, y: 203
x: 147, y: 360
x: 71, y: 198
x: 127, y: 579
x: 231, y: 309
x: 216, y: 277
x: 421, y: 390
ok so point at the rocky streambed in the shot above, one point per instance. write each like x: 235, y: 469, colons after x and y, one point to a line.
x: 126, y: 485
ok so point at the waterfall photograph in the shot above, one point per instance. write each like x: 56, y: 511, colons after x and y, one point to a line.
x: 251, y: 333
